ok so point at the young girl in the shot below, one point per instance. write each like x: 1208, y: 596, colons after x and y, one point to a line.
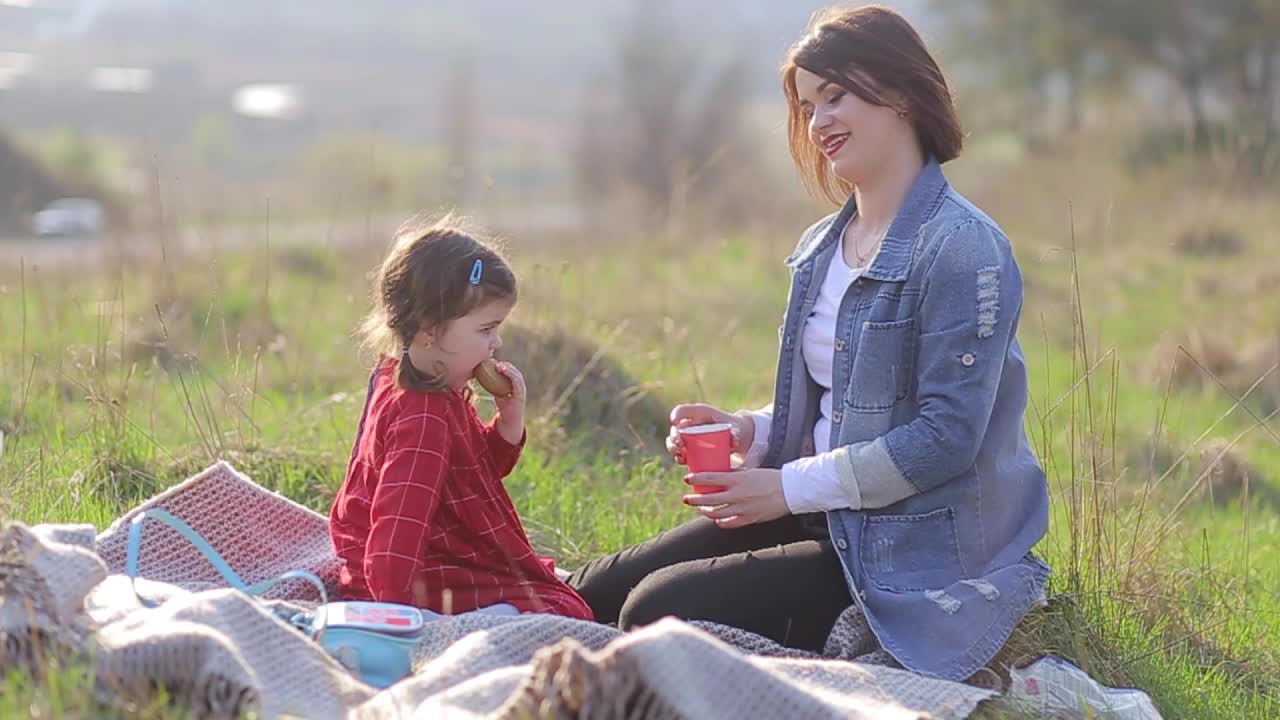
x: 422, y: 517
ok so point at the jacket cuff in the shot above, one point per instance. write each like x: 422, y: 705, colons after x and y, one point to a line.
x: 868, y: 473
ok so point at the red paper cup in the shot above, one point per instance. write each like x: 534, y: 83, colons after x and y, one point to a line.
x: 706, y: 449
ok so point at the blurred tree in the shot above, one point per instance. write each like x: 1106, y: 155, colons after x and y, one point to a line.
x: 1215, y: 52
x: 653, y: 78
x: 665, y: 127
x: 1025, y: 47
x: 1180, y: 38
x: 1224, y: 50
x: 714, y: 147
x: 459, y: 133
x: 1253, y: 51
x: 594, y: 171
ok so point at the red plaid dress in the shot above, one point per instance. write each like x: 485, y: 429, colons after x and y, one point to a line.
x: 422, y: 517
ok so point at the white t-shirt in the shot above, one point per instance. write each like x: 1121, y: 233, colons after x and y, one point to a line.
x: 819, y: 339
x: 811, y: 484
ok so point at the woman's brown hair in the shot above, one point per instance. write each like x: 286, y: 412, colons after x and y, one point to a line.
x: 874, y: 53
x: 430, y: 278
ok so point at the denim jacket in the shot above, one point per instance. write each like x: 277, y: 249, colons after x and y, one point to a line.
x: 930, y: 386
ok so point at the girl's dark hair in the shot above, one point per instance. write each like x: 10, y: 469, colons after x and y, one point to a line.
x: 874, y: 53
x: 426, y: 279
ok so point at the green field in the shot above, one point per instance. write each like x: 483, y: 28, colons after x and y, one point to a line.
x: 119, y: 378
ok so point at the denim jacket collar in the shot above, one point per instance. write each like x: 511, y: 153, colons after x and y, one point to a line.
x: 894, y: 259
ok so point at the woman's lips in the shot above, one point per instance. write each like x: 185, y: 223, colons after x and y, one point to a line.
x: 832, y: 145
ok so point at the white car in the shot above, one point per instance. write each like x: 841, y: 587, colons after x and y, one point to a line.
x: 69, y: 216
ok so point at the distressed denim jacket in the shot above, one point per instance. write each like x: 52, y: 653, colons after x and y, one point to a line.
x: 930, y: 386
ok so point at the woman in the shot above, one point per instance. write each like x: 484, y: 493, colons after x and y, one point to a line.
x: 892, y: 469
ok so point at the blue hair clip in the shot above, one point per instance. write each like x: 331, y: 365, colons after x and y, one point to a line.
x: 476, y: 270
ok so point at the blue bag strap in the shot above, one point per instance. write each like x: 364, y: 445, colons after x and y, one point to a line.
x: 210, y: 554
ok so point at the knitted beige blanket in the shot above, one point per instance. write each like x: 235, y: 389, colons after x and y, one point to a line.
x: 221, y: 653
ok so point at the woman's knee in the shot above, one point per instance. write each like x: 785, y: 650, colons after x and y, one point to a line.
x: 661, y: 593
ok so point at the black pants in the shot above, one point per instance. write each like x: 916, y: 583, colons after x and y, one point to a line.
x: 780, y: 579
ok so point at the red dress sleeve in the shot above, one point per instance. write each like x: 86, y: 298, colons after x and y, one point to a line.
x: 504, y: 454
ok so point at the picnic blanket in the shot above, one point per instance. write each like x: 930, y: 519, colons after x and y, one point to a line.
x: 221, y: 653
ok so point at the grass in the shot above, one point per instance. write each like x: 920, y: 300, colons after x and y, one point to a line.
x: 118, y: 382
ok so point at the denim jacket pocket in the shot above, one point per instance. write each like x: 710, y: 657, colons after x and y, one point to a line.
x: 902, y: 553
x: 882, y: 364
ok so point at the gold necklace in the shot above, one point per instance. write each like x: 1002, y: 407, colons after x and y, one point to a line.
x: 859, y: 259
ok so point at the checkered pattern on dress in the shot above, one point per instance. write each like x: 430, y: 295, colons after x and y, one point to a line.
x: 422, y: 517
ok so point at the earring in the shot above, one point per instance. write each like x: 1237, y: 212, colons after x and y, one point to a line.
x: 902, y: 113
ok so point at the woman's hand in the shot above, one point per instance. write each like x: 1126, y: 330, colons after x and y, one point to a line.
x: 742, y: 427
x: 749, y: 496
x: 511, y: 408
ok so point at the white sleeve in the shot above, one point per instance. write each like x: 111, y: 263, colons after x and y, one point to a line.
x: 829, y: 482
x: 812, y: 484
x: 763, y: 421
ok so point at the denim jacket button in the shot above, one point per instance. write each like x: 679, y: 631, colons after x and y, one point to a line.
x: 839, y: 345
x: 967, y: 359
x: 837, y: 416
x: 842, y: 543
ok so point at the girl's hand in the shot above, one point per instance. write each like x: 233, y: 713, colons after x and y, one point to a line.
x: 749, y: 496
x: 742, y: 427
x: 511, y: 407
